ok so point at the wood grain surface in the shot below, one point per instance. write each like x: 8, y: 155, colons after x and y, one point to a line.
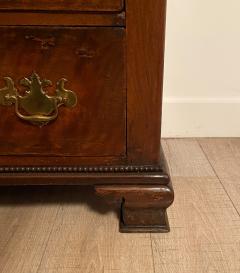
x: 145, y: 57
x: 224, y: 156
x: 69, y: 230
x: 93, y: 62
x: 66, y: 5
x: 14, y: 18
x: 204, y: 222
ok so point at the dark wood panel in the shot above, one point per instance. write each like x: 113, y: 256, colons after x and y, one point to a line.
x: 74, y: 5
x: 93, y: 171
x: 142, y: 207
x: 60, y: 160
x: 145, y: 51
x: 82, y: 179
x: 87, y: 144
x: 92, y: 60
x: 64, y: 19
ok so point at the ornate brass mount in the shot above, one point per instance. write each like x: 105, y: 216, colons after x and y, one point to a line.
x: 39, y: 108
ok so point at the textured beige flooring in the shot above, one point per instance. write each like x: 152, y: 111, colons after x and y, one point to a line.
x: 58, y: 230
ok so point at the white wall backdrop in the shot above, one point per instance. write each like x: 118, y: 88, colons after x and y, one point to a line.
x: 202, y: 69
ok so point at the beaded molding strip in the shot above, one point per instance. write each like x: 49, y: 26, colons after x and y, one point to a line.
x: 81, y: 169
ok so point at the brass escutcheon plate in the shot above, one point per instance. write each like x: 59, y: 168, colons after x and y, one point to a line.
x: 38, y: 107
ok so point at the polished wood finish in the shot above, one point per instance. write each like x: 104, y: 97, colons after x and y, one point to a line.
x: 143, y: 207
x: 64, y: 19
x: 111, y: 52
x: 92, y: 60
x: 145, y: 40
x: 72, y: 177
x: 60, y: 160
x: 64, y: 5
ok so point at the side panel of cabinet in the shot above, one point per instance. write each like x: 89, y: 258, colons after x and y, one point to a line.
x: 145, y: 59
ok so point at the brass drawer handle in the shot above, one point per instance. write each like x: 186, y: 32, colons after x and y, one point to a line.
x: 39, y: 107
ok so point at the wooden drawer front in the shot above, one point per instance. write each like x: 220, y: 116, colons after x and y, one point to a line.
x: 68, y: 5
x: 92, y: 60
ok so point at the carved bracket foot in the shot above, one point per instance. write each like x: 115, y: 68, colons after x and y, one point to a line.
x: 142, y: 207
